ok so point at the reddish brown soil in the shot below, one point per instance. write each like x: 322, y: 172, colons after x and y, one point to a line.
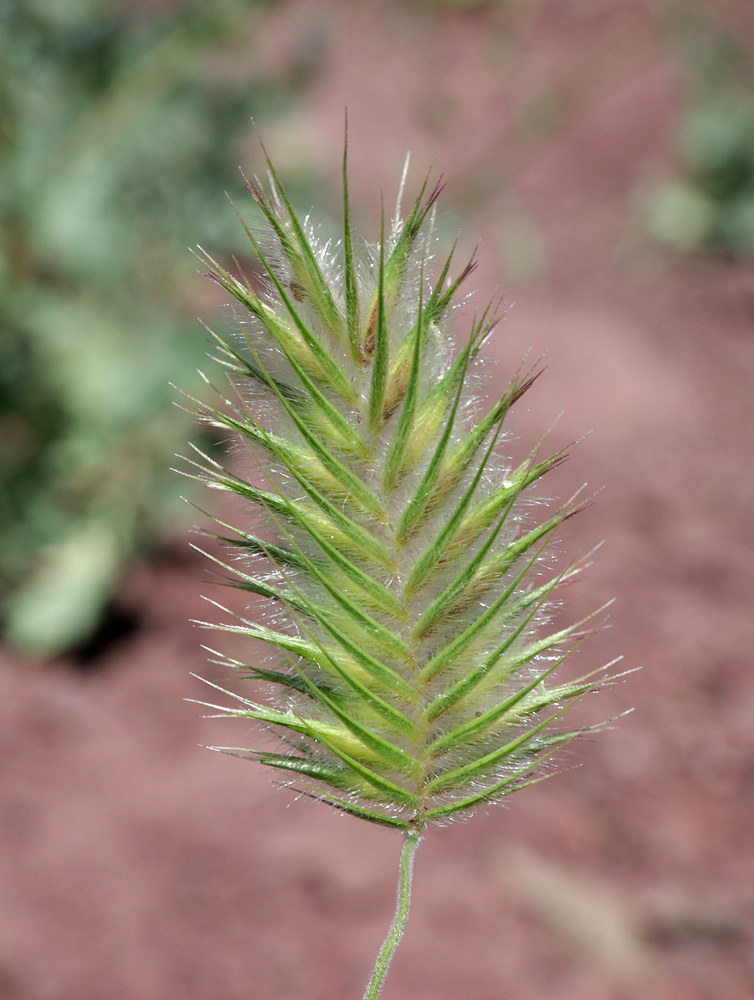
x: 137, y: 866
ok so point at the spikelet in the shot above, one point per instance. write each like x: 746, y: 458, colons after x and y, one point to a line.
x: 412, y: 676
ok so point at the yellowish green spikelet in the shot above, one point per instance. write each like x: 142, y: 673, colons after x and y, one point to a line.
x: 406, y: 655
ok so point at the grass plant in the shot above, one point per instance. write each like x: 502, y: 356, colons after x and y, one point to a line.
x: 403, y: 583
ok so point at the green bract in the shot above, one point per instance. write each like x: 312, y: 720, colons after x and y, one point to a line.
x: 402, y: 565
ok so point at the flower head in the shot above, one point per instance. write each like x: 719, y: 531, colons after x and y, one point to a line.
x: 407, y: 591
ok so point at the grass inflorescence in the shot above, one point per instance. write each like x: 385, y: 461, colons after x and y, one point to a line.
x: 407, y: 583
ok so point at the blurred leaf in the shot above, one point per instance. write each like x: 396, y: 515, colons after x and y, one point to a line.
x: 680, y: 216
x: 117, y: 131
x: 43, y: 616
x: 710, y: 205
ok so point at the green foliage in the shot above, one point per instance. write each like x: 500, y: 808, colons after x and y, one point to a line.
x: 116, y: 125
x: 404, y: 582
x: 709, y: 207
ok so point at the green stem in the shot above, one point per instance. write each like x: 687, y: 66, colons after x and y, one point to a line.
x: 400, y: 919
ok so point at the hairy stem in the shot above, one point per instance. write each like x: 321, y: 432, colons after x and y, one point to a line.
x: 400, y: 919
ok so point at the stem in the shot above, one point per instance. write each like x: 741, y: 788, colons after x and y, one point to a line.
x: 400, y: 919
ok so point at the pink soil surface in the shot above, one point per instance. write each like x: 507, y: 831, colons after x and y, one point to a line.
x: 137, y: 866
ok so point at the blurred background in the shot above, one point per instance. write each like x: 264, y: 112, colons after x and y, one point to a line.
x: 603, y: 152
